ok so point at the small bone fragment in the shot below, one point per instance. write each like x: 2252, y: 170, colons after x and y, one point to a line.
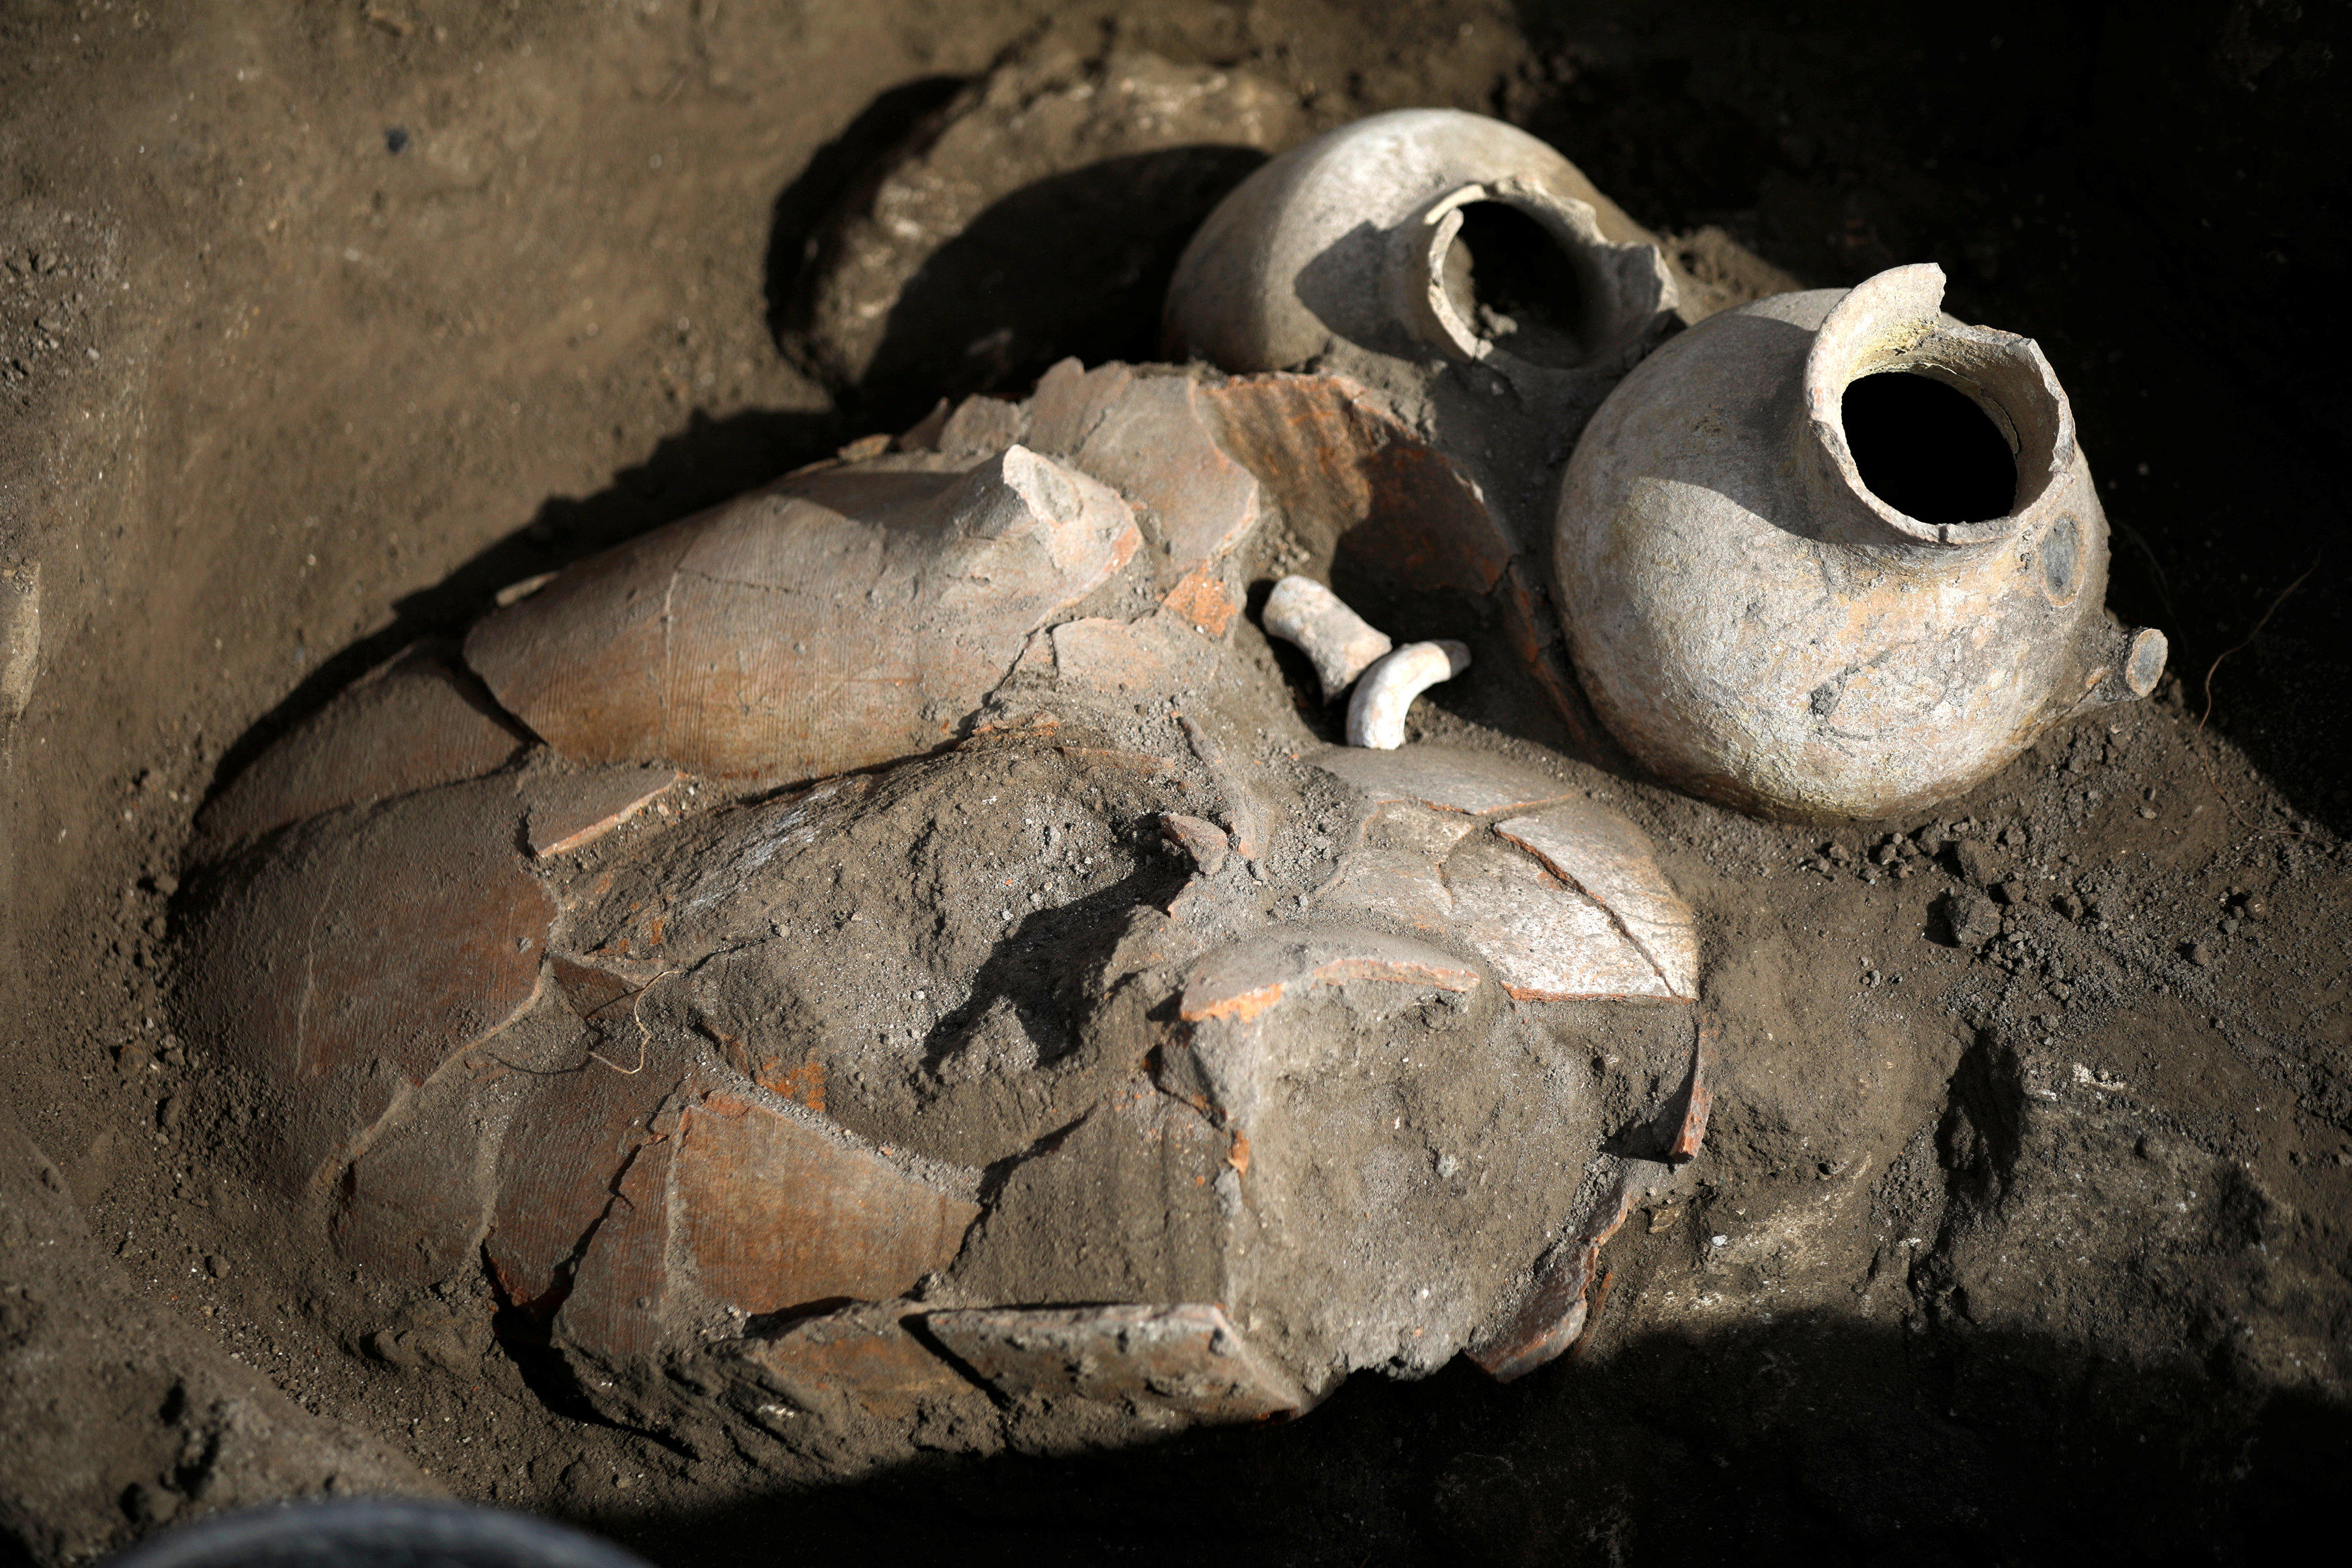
x: 1313, y: 619
x: 1204, y: 842
x: 1376, y: 713
x: 515, y: 592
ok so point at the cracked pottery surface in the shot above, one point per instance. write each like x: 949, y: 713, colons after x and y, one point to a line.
x: 855, y: 971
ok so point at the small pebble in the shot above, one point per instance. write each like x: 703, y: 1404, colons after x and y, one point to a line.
x: 2200, y: 955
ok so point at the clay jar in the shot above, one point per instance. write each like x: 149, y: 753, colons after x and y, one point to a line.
x: 1422, y: 247
x: 1835, y: 554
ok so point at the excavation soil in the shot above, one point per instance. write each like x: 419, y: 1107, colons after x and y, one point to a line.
x: 2021, y: 1229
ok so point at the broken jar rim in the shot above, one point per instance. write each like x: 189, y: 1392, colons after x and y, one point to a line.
x: 1894, y: 322
x: 1621, y: 290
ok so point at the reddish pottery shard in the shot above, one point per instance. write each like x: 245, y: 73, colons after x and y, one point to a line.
x: 861, y: 1356
x: 416, y: 724
x: 742, y: 643
x: 353, y: 961
x: 1552, y: 1316
x: 1244, y: 981
x: 777, y: 1213
x: 572, y: 811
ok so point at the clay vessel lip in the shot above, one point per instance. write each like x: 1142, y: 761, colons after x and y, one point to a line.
x: 1895, y: 322
x: 1623, y: 288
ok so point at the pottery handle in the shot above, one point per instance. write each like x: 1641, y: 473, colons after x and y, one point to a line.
x: 2122, y: 663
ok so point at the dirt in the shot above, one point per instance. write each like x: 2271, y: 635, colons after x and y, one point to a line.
x: 2021, y: 1224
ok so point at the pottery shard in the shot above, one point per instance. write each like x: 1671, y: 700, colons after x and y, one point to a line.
x: 559, y: 1165
x: 415, y: 725
x: 1159, y: 655
x: 1070, y: 401
x: 1351, y: 479
x: 1116, y: 1207
x: 1204, y: 842
x: 347, y: 965
x: 838, y: 618
x: 1239, y: 982
x: 1154, y: 443
x: 614, y: 1308
x: 1552, y: 1316
x: 1612, y: 862
x: 1445, y: 777
x: 410, y: 1209
x: 779, y: 1214
x: 572, y: 811
x: 1547, y: 941
x: 1400, y: 886
x: 860, y: 1355
x: 1224, y: 1065
x: 1185, y: 1362
x: 980, y: 427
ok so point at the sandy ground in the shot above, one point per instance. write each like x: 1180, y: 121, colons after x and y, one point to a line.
x: 319, y: 327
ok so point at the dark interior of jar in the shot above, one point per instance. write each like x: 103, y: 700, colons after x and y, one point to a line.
x: 1927, y: 450
x: 1518, y: 286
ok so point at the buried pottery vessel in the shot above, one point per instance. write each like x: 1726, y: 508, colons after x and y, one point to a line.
x: 1467, y: 274
x: 1404, y: 244
x: 877, y: 968
x: 1838, y: 554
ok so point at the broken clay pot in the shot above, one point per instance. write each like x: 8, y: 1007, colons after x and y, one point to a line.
x: 1838, y: 555
x: 1079, y: 1079
x: 1462, y: 270
x: 1420, y: 237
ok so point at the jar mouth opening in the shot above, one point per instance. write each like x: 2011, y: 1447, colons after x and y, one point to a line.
x: 1512, y: 273
x: 1947, y: 434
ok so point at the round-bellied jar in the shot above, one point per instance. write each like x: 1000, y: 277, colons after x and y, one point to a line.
x: 1836, y: 554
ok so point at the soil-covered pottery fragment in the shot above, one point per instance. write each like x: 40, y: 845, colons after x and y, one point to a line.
x: 858, y: 972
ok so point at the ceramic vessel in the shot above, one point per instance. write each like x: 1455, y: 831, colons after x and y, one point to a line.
x: 1836, y: 554
x: 1408, y: 246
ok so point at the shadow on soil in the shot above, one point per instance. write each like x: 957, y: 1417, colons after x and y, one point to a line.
x: 1802, y: 1440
